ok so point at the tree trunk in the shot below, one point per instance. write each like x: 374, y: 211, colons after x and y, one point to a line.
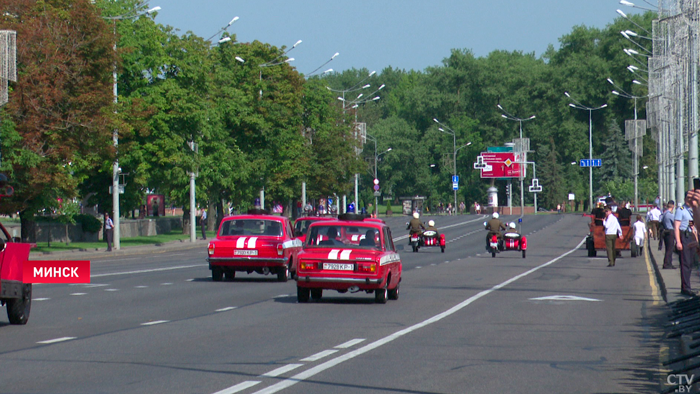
x: 25, y: 220
x: 186, y: 221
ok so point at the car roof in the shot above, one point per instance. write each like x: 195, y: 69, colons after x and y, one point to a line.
x: 258, y: 217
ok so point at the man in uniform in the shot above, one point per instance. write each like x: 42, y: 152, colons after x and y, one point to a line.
x: 612, y: 232
x: 667, y: 234
x: 415, y: 226
x: 431, y: 226
x: 684, y: 237
x: 494, y: 226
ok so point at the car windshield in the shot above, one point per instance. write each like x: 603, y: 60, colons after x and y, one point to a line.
x: 347, y: 237
x: 257, y: 227
x: 302, y: 226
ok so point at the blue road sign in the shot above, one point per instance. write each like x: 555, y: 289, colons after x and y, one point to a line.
x: 455, y: 186
x: 455, y: 178
x: 591, y: 162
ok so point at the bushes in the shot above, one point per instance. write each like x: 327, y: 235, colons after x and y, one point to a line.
x: 89, y: 223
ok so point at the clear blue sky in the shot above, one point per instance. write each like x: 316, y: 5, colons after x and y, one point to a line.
x: 404, y: 34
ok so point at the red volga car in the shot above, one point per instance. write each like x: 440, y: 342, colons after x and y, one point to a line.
x: 301, y: 225
x: 331, y: 259
x: 254, y: 243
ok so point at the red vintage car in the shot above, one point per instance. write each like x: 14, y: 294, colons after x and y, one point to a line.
x: 301, y: 225
x: 14, y: 293
x: 254, y: 243
x: 331, y: 259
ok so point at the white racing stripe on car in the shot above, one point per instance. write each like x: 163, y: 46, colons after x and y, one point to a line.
x: 240, y: 242
x: 345, y: 254
x: 251, y: 242
x: 333, y: 254
x: 302, y: 376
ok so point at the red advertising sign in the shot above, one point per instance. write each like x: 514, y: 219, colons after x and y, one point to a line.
x: 54, y: 271
x: 500, y: 165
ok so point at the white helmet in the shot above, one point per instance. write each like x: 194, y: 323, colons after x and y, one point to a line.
x: 416, y: 215
x: 512, y: 225
x: 495, y: 215
x: 431, y: 223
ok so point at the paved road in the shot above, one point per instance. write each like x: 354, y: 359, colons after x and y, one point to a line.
x: 465, y: 322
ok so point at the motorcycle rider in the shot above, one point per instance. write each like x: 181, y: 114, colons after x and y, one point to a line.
x: 415, y: 226
x: 494, y: 227
x: 512, y: 229
x: 431, y: 226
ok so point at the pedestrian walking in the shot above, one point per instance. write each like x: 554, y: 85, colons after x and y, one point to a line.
x: 667, y: 238
x: 653, y: 219
x: 640, y: 234
x: 684, y: 238
x: 612, y: 232
x: 203, y: 222
x: 109, y: 232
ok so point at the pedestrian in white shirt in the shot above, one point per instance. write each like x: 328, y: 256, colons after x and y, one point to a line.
x: 612, y: 232
x: 640, y: 233
x: 653, y: 219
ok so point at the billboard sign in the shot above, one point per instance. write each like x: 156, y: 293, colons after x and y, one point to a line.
x: 500, y: 165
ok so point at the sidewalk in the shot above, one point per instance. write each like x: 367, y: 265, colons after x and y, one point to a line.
x: 98, y: 253
x: 670, y: 279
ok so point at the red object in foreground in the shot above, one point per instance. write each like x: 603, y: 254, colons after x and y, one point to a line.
x: 40, y: 271
x: 333, y: 258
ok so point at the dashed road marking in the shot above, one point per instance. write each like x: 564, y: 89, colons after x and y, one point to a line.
x: 281, y: 370
x: 149, y: 270
x: 228, y: 308
x: 166, y: 284
x: 141, y: 287
x: 63, y: 339
x: 41, y: 299
x: 239, y: 387
x: 153, y: 323
x: 111, y: 289
x: 350, y: 343
x: 78, y: 294
x: 319, y: 355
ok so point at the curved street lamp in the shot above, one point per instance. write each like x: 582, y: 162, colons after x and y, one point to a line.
x: 454, y: 154
x: 590, y: 110
x: 523, y: 159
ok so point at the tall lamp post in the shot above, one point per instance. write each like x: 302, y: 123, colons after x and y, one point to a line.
x: 506, y: 115
x: 115, y: 134
x: 590, y: 110
x: 624, y: 94
x: 376, y: 158
x: 455, y: 150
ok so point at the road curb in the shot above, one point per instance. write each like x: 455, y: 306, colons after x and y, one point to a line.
x: 128, y: 251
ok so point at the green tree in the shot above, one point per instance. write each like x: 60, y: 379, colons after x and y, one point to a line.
x: 616, y: 158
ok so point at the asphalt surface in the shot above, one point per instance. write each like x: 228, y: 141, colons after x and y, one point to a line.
x: 556, y: 321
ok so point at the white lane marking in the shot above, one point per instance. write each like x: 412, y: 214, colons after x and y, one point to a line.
x: 228, y: 308
x: 239, y: 387
x: 418, y: 267
x: 152, y: 323
x: 350, y: 343
x: 166, y: 284
x: 281, y: 370
x: 371, y: 346
x: 40, y: 299
x: 281, y: 296
x: 319, y: 355
x: 78, y: 294
x: 141, y: 287
x: 89, y: 284
x: 190, y: 280
x: 564, y: 298
x: 48, y: 341
x: 149, y: 270
x: 111, y: 289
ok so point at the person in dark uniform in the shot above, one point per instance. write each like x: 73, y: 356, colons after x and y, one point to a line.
x: 599, y: 214
x: 109, y: 232
x: 415, y: 226
x: 494, y: 227
x: 684, y: 237
x: 624, y: 214
x: 667, y: 235
x: 431, y: 226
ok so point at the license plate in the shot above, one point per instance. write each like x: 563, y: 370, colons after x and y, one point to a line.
x: 241, y: 252
x: 338, y: 266
x: 494, y: 245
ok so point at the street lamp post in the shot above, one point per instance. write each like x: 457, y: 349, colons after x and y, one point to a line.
x: 624, y: 94
x: 454, y: 154
x: 590, y: 110
x: 522, y: 160
x: 115, y: 134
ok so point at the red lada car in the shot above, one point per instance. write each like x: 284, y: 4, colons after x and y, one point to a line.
x: 301, y: 225
x: 331, y: 259
x: 254, y: 243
